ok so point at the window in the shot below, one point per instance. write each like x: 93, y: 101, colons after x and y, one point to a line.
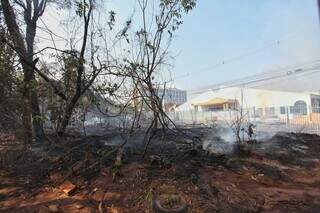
x: 299, y: 108
x: 292, y: 110
x: 270, y: 111
x: 282, y: 110
x: 315, y: 103
x: 215, y: 108
x: 259, y: 112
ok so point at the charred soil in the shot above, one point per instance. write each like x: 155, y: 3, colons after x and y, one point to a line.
x: 93, y: 174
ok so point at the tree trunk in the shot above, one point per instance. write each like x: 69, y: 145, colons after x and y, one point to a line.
x: 153, y: 97
x: 19, y: 44
x: 67, y: 116
x: 26, y: 115
x: 155, y: 114
x: 31, y: 113
x: 37, y: 118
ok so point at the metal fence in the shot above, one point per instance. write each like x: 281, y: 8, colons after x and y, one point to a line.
x: 272, y: 119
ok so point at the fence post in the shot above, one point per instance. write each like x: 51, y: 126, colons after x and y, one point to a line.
x: 310, y: 114
x: 195, y: 117
x: 288, y: 118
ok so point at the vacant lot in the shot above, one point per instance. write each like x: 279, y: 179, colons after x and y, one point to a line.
x: 87, y: 174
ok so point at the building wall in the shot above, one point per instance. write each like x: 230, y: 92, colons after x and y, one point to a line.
x: 173, y: 96
x: 251, y: 98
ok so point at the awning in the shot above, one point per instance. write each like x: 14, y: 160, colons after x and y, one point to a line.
x: 216, y: 101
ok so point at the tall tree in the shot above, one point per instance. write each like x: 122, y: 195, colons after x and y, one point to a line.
x: 24, y: 46
x: 152, y: 41
x: 10, y: 106
x: 149, y: 53
x: 84, y: 10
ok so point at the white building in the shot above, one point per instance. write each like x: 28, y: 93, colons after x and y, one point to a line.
x: 172, y: 97
x: 263, y: 103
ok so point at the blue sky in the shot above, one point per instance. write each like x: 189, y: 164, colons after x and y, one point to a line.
x: 218, y: 31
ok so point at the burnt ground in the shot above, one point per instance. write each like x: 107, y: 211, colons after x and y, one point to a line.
x: 81, y: 174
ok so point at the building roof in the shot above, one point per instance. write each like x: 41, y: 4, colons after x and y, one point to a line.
x: 216, y: 101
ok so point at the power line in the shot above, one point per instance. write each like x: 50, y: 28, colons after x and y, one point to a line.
x: 287, y: 78
x: 239, y: 57
x: 284, y: 74
x: 265, y: 74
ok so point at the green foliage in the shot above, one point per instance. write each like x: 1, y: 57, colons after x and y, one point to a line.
x: 175, y: 9
x: 69, y: 72
x: 124, y: 31
x: 39, y: 118
x: 188, y: 4
x: 149, y: 198
x: 112, y: 19
x: 10, y: 101
x: 81, y: 7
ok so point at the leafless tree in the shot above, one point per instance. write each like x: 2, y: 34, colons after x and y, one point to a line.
x: 240, y: 124
x: 150, y: 51
x: 135, y: 77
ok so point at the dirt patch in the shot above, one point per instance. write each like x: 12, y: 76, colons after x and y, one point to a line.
x: 80, y: 175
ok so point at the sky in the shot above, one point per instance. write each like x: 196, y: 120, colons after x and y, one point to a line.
x: 217, y: 31
x: 225, y: 40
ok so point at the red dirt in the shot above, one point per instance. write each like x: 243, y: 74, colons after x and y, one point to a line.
x: 247, y: 187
